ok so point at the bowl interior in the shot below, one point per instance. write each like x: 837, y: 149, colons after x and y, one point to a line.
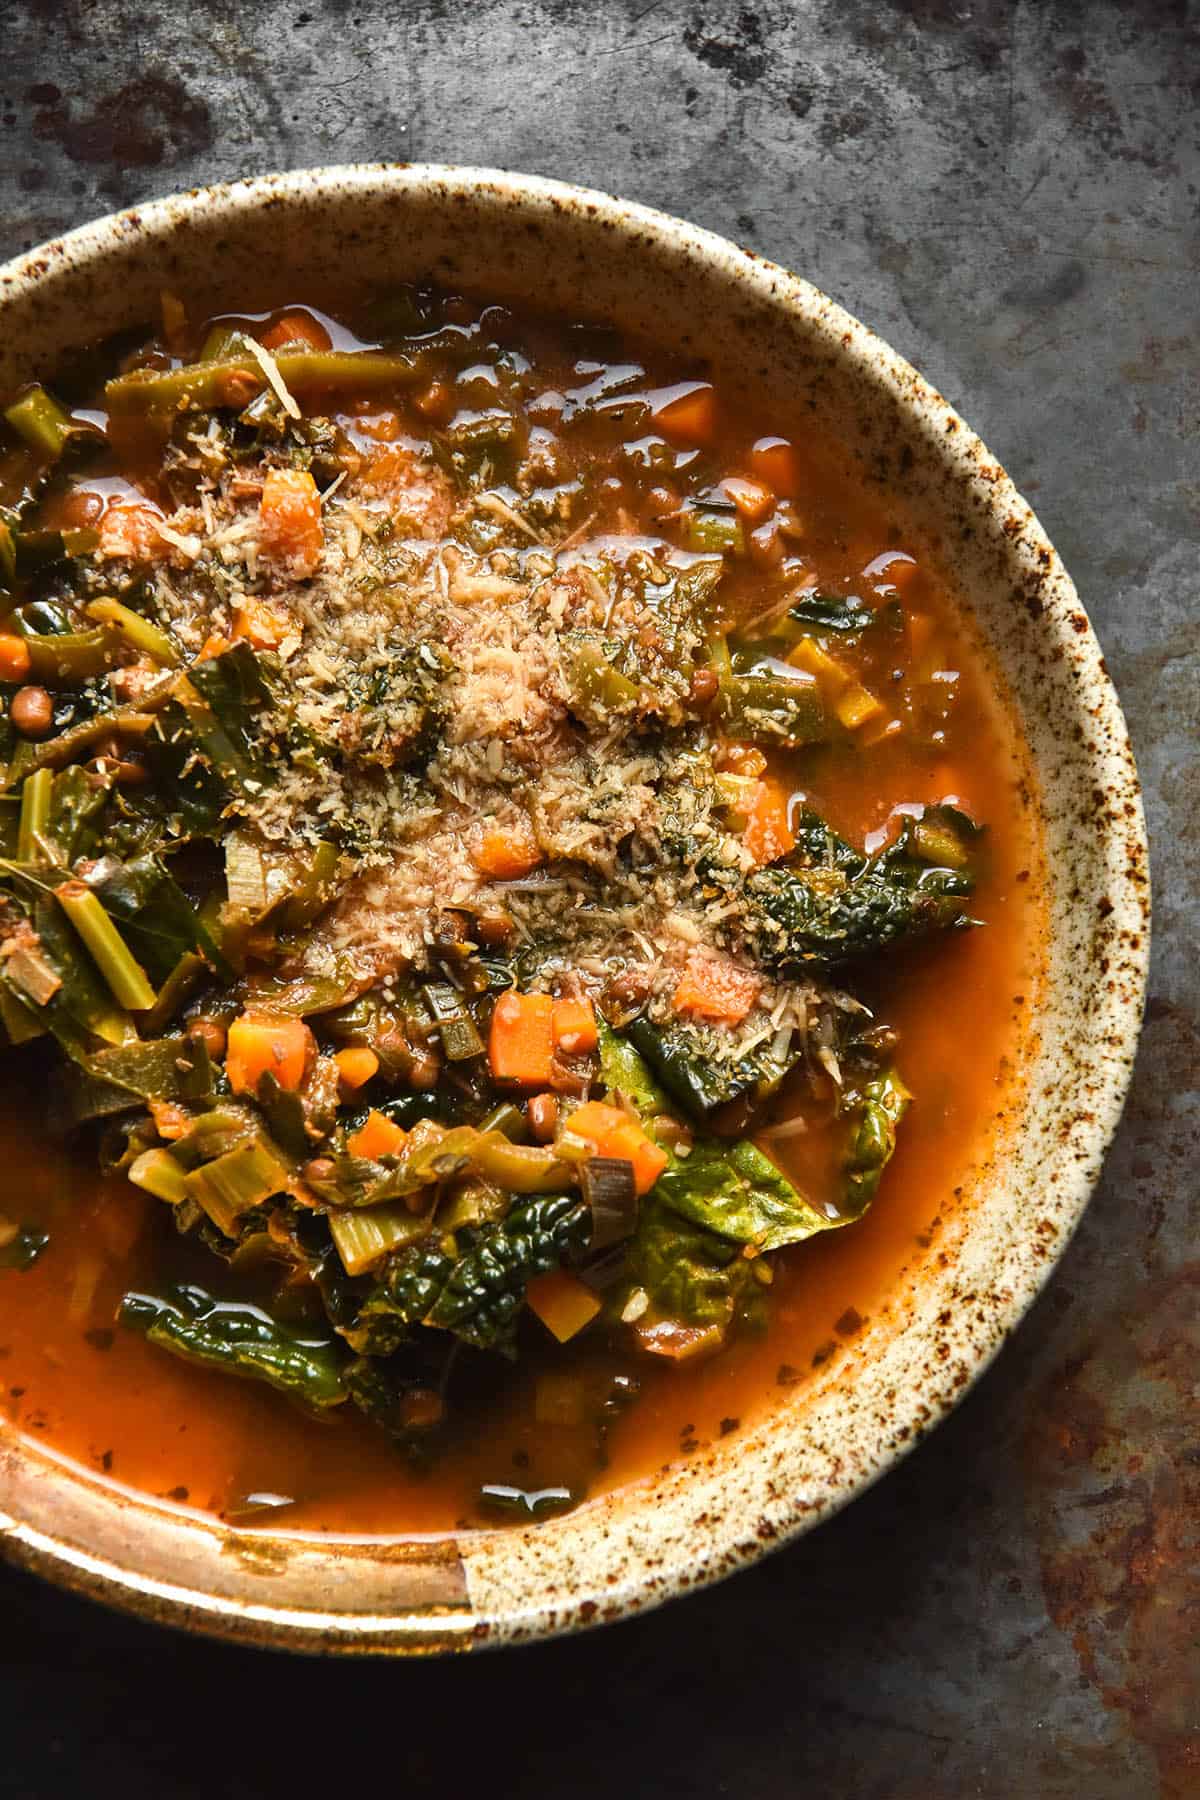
x: 537, y: 243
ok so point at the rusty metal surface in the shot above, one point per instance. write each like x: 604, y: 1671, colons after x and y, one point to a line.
x: 1007, y: 192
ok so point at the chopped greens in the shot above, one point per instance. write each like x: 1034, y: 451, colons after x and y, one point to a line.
x: 241, y: 1340
x: 414, y: 874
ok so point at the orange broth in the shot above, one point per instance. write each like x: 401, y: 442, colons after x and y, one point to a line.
x: 89, y: 1391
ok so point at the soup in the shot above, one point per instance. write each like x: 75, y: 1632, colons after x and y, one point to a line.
x: 518, y: 905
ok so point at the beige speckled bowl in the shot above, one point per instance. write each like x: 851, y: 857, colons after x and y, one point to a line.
x: 582, y: 252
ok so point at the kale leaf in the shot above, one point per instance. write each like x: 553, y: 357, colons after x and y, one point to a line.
x: 478, y: 1292
x: 699, y: 1081
x: 155, y: 916
x: 874, y: 1113
x: 241, y: 1340
x: 734, y: 1190
x: 832, y: 612
x: 829, y: 903
x: 692, y: 1276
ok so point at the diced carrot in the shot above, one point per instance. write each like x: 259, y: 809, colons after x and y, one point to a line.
x: 690, y: 416
x: 14, y: 657
x: 506, y: 852
x: 768, y: 834
x: 774, y: 460
x: 562, y: 1302
x: 809, y: 656
x: 356, y: 1066
x: 615, y: 1134
x: 521, y: 1045
x: 289, y: 515
x: 753, y: 499
x: 857, y: 705
x: 296, y: 328
x: 715, y: 988
x: 132, y: 531
x: 262, y: 626
x: 575, y: 1026
x: 213, y: 646
x: 377, y: 1136
x: 263, y: 1043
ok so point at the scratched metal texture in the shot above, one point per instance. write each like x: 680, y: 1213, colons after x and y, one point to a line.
x: 1007, y: 192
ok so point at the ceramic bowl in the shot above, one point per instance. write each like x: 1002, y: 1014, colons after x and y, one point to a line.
x: 567, y: 249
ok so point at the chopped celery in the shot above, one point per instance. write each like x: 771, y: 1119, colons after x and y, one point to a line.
x: 45, y: 426
x: 158, y: 1172
x: 456, y: 1028
x: 129, y: 982
x: 364, y: 1235
x: 773, y: 709
x: 72, y: 656
x: 713, y: 528
x: 139, y: 633
x: 36, y: 791
x: 230, y: 381
x: 236, y: 1182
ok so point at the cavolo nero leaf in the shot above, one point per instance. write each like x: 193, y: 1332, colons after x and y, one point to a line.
x: 478, y: 1293
x: 704, y: 1211
x: 699, y: 1081
x: 240, y: 1339
x: 874, y: 1115
x: 829, y: 903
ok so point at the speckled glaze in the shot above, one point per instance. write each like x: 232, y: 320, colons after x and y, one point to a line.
x: 765, y: 331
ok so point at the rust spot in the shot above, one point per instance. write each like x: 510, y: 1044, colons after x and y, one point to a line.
x: 148, y: 122
x: 1114, y: 1476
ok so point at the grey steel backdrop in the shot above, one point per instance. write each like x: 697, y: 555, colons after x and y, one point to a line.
x: 1008, y: 193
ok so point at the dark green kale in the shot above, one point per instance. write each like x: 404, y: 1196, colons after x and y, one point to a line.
x: 846, y: 614
x: 692, y: 1276
x: 77, y: 808
x: 726, y: 1198
x: 700, y: 1082
x: 155, y: 916
x: 478, y: 1291
x: 873, y: 1114
x: 732, y: 1189
x: 829, y: 903
x: 240, y: 1339
x: 206, y: 752
x: 54, y: 975
x: 406, y: 694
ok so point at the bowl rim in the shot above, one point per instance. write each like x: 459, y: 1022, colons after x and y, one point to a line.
x: 70, y: 1564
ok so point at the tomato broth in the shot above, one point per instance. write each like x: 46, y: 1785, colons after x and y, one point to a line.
x: 633, y: 450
